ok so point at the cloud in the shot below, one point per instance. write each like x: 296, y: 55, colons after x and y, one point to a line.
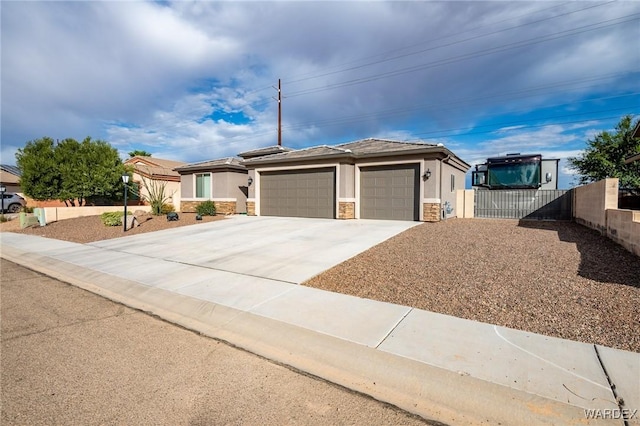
x: 171, y: 76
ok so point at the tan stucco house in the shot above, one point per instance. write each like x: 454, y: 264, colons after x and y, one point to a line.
x: 365, y: 179
x: 156, y: 171
x: 223, y: 181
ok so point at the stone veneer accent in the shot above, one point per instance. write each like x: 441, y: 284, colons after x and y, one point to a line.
x: 346, y: 210
x: 222, y: 207
x: 251, y: 208
x: 431, y: 212
x: 225, y: 207
x: 188, y: 206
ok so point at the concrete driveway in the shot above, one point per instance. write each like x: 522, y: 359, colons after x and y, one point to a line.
x: 290, y: 250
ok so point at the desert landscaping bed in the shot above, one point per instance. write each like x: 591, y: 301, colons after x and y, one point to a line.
x: 554, y: 278
x: 88, y: 229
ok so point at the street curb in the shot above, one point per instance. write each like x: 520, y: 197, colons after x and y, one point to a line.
x: 430, y: 392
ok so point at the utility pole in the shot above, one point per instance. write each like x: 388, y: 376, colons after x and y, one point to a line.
x: 279, y: 114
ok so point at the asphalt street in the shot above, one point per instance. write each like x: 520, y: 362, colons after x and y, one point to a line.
x: 72, y: 357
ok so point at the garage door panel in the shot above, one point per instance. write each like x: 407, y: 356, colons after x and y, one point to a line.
x: 389, y: 192
x: 299, y: 193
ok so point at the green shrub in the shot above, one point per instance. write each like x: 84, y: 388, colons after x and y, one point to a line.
x: 206, y: 208
x: 156, y: 208
x: 112, y: 218
x: 3, y: 219
x: 27, y: 209
x: 167, y: 208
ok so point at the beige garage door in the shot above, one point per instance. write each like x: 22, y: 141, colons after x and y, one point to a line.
x: 389, y: 192
x: 298, y: 193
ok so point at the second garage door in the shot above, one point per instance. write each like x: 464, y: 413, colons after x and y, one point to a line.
x: 298, y: 193
x: 389, y: 192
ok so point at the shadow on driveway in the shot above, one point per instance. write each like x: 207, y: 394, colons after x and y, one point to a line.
x: 601, y: 259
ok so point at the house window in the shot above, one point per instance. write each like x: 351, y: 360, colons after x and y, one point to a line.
x: 203, y: 185
x: 453, y: 183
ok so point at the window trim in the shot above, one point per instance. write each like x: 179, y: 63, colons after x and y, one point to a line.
x: 195, y: 185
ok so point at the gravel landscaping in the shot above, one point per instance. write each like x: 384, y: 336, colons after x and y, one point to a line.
x: 554, y: 278
x: 88, y: 229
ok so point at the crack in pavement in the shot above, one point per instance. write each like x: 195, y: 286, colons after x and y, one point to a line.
x: 68, y: 325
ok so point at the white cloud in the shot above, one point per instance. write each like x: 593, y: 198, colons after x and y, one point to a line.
x: 145, y: 73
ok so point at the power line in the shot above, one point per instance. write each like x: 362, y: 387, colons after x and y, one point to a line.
x: 448, y: 44
x: 496, y: 126
x: 315, y: 75
x: 454, y: 103
x: 459, y: 58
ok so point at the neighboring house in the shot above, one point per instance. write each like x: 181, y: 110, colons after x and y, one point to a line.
x: 155, y: 172
x: 367, y: 179
x: 10, y: 178
x: 223, y: 181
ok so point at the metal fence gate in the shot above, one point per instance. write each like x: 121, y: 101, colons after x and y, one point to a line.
x: 524, y: 204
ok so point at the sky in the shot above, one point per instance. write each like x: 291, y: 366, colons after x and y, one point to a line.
x: 195, y: 81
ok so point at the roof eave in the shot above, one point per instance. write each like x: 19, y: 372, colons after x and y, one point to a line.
x: 350, y: 155
x: 253, y: 163
x: 632, y: 159
x: 204, y: 168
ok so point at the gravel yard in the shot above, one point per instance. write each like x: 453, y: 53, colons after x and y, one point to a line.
x: 88, y: 229
x: 554, y: 278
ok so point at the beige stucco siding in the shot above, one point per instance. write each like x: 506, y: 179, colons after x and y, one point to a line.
x: 346, y: 188
x: 252, y: 187
x: 186, y: 186
x: 220, y: 185
x: 237, y: 187
x: 448, y: 189
x: 430, y: 186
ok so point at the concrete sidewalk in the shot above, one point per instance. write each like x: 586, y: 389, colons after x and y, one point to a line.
x: 440, y: 367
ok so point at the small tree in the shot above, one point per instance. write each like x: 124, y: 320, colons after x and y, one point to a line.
x: 606, y: 153
x: 139, y: 153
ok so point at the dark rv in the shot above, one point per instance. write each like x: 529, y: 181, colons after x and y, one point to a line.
x: 516, y: 171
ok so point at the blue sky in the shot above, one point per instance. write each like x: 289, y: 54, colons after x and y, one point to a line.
x: 194, y: 81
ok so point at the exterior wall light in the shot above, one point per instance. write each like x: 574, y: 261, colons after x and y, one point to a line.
x: 250, y: 181
x: 426, y: 175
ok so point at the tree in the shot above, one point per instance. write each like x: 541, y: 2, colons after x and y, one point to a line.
x: 139, y: 153
x: 40, y: 175
x: 74, y: 172
x: 606, y: 153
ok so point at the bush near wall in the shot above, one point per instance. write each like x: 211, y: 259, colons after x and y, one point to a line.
x: 112, y: 218
x: 206, y: 208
